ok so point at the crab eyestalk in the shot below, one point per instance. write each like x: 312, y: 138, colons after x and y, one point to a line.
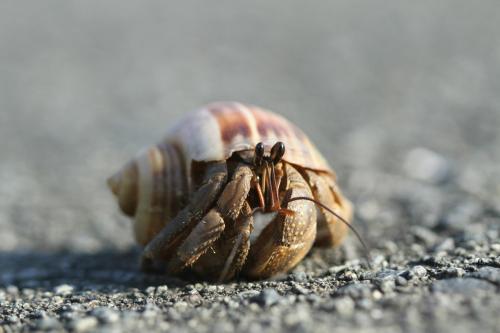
x: 270, y: 183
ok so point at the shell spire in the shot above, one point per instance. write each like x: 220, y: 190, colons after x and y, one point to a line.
x: 124, y: 185
x: 151, y: 188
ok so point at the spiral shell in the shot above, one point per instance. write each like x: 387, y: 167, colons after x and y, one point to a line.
x: 151, y: 188
x: 155, y: 185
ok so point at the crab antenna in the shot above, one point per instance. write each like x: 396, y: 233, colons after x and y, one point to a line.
x: 365, y: 248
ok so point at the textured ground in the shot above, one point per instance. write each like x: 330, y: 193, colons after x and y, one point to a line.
x: 402, y: 99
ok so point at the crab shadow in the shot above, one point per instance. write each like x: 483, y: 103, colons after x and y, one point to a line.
x: 107, y: 270
x: 111, y: 270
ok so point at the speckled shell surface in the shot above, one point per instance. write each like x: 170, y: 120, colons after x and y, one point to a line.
x: 220, y: 129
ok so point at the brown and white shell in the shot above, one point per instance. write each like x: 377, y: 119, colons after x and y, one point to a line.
x: 155, y: 185
x: 218, y: 130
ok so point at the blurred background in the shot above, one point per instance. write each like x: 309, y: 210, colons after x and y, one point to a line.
x: 398, y: 95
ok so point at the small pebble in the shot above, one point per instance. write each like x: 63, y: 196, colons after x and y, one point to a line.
x: 63, y: 289
x: 401, y: 281
x: 458, y: 218
x: 181, y: 306
x: 47, y: 324
x: 491, y: 274
x: 455, y: 272
x: 12, y: 290
x: 83, y: 324
x: 446, y: 245
x: 267, y: 297
x: 212, y: 288
x: 390, y: 247
x: 151, y: 310
x: 387, y: 286
x: 386, y: 274
x: 344, y: 306
x: 349, y: 276
x: 106, y: 315
x: 300, y: 290
x: 248, y: 294
x: 161, y: 290
x: 427, y: 165
x: 365, y: 304
x: 418, y: 271
x: 495, y: 247
x: 424, y: 235
x: 376, y: 294
x: 299, y: 276
x: 465, y: 286
x: 355, y: 291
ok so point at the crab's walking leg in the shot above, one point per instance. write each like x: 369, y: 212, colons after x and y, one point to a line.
x: 235, y: 193
x: 211, y: 226
x: 331, y: 231
x: 176, y: 230
x: 288, y: 238
x: 238, y: 244
x: 197, y: 242
x: 228, y: 254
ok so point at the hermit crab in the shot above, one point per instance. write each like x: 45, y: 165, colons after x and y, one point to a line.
x: 232, y: 190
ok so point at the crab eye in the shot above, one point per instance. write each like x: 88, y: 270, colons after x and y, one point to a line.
x: 277, y: 152
x: 259, y: 153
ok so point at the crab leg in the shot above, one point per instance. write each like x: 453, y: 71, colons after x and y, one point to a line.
x: 288, y: 238
x: 235, y: 193
x: 179, y: 227
x: 331, y: 231
x: 198, y: 241
x: 211, y: 226
x: 239, y: 244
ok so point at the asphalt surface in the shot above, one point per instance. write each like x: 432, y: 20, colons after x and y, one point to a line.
x: 401, y: 98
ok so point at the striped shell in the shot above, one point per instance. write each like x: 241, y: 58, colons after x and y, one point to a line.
x: 155, y: 185
x: 215, y: 132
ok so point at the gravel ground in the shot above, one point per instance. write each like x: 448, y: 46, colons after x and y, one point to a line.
x: 401, y: 98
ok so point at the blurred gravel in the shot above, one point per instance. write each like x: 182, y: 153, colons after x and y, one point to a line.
x: 401, y: 98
